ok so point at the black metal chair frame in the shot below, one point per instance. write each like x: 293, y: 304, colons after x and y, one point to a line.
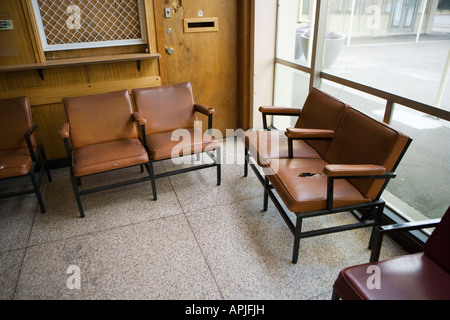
x: 76, y: 181
x: 362, y: 212
x: 39, y: 164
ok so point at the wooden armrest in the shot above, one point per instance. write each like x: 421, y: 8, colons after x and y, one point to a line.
x: 64, y: 131
x: 205, y: 110
x: 301, y: 133
x: 280, y: 111
x: 342, y: 170
x: 139, y: 118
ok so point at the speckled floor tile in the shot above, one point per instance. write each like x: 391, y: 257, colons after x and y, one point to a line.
x: 156, y: 259
x: 17, y: 214
x: 198, y: 189
x: 10, y: 264
x: 250, y: 252
x: 103, y: 210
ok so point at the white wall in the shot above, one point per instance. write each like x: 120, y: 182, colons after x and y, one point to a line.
x: 264, y: 56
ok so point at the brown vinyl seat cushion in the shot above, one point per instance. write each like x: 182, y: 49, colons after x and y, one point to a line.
x: 15, y: 162
x: 108, y: 156
x: 359, y: 139
x: 168, y: 109
x: 301, y: 194
x: 103, y: 135
x: 191, y: 140
x: 14, y: 154
x: 320, y: 111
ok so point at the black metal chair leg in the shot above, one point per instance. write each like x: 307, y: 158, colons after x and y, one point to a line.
x: 142, y: 168
x: 298, y: 230
x: 151, y: 173
x: 335, y: 296
x: 49, y: 176
x: 374, y: 235
x: 246, y: 163
x: 219, y: 167
x: 266, y: 194
x: 77, y: 195
x: 37, y: 191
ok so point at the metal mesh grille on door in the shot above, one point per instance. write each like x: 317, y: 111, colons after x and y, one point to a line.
x: 72, y: 24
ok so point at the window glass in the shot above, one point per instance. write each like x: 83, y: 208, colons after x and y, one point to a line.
x: 291, y: 90
x: 295, y: 21
x: 381, y: 46
x: 421, y: 188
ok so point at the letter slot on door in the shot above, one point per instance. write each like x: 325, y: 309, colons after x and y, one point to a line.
x: 201, y: 25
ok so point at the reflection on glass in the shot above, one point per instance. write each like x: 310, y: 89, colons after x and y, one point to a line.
x: 295, y: 19
x: 421, y: 188
x: 385, y: 50
x: 291, y: 90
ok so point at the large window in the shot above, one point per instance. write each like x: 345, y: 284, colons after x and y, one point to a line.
x: 376, y: 54
x: 78, y: 24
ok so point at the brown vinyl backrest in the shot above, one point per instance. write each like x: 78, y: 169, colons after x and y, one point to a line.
x: 437, y: 247
x: 360, y: 139
x: 100, y: 118
x: 320, y: 111
x: 15, y: 120
x: 166, y: 108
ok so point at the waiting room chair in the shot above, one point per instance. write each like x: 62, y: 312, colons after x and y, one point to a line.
x: 171, y: 114
x: 100, y: 135
x: 20, y: 154
x: 419, y: 276
x: 318, y: 118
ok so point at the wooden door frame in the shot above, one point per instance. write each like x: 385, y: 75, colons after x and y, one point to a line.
x: 245, y: 53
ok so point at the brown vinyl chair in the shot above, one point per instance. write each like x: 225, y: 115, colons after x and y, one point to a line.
x: 318, y: 119
x: 418, y: 276
x: 168, y: 109
x: 100, y: 135
x: 20, y: 154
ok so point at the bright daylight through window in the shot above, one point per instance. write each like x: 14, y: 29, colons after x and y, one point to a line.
x: 398, y: 47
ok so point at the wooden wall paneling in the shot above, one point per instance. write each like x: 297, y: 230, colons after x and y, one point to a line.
x: 245, y: 54
x: 33, y: 30
x: 49, y: 118
x: 158, y: 7
x: 207, y: 59
x: 49, y: 95
x: 16, y: 47
x: 151, y: 26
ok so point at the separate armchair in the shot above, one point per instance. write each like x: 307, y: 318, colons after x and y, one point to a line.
x: 101, y: 135
x: 20, y: 154
x: 315, y: 125
x: 419, y: 276
x: 172, y: 129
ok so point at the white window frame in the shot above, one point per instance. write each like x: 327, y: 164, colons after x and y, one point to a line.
x: 96, y: 44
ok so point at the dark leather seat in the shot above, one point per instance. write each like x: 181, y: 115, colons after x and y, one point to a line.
x: 101, y: 135
x: 172, y: 129
x: 420, y: 276
x: 20, y: 154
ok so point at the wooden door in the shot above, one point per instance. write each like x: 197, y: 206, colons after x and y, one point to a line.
x: 199, y: 44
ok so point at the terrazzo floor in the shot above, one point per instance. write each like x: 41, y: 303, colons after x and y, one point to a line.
x: 198, y: 241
